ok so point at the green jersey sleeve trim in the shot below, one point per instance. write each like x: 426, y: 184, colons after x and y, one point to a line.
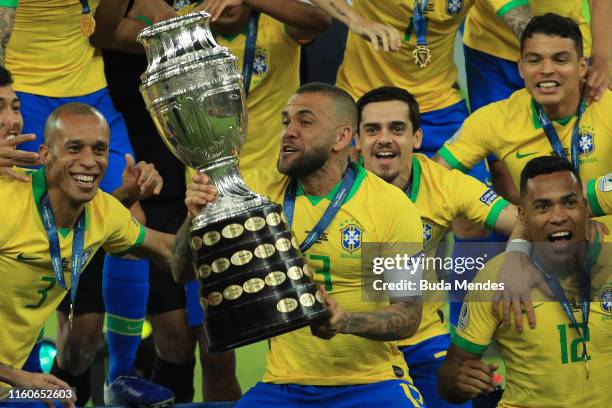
x: 452, y: 160
x: 141, y: 237
x: 511, y: 5
x: 416, y: 179
x: 494, y: 213
x: 592, y: 199
x: 9, y: 3
x: 466, y: 344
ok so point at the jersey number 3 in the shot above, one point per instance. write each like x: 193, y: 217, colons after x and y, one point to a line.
x: 43, y: 292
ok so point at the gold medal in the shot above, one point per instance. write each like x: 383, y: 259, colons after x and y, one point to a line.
x: 422, y: 56
x: 88, y: 24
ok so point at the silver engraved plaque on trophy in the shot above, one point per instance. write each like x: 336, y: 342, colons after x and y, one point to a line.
x: 242, y: 245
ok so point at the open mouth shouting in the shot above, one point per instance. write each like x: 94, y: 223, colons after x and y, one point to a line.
x: 560, y: 239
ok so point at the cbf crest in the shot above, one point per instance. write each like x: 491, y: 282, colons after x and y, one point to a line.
x: 453, y: 6
x: 586, y: 141
x: 260, y: 62
x: 351, y: 237
x: 605, y: 299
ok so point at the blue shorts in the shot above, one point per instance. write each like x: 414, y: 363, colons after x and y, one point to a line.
x: 439, y: 126
x: 424, y: 359
x: 489, y: 79
x: 388, y: 394
x: 35, y: 110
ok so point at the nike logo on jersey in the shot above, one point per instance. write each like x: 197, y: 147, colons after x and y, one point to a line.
x: 22, y: 257
x: 519, y: 156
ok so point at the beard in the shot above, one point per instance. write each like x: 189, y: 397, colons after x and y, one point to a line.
x: 310, y: 161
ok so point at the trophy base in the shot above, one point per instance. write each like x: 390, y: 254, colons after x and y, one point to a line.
x: 253, y: 323
x: 254, y: 283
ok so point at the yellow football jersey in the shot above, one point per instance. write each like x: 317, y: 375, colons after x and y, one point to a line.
x: 49, y: 55
x: 544, y: 366
x: 511, y: 130
x: 367, y: 216
x: 599, y: 195
x: 439, y: 201
x: 276, y: 76
x: 364, y: 69
x: 27, y: 281
x: 485, y: 30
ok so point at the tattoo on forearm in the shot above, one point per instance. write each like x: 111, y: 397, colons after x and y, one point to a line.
x: 182, y: 268
x: 387, y: 325
x: 517, y: 19
x: 339, y: 12
x: 7, y: 20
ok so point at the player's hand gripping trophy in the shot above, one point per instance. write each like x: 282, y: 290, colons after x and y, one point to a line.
x: 254, y: 282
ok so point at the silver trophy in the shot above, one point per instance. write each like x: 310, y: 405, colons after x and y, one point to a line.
x: 254, y: 282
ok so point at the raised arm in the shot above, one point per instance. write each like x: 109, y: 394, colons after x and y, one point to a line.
x: 517, y: 18
x: 7, y: 20
x: 115, y: 30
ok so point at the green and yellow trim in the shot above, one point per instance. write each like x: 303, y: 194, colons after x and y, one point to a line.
x: 141, y: 237
x: 416, y: 179
x: 452, y: 160
x: 592, y: 199
x: 39, y: 189
x: 536, y: 118
x: 360, y: 174
x: 511, y: 5
x: 124, y: 326
x: 466, y: 345
x: 493, y: 216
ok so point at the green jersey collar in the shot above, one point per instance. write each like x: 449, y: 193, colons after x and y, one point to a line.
x: 39, y: 188
x: 536, y: 118
x: 314, y: 200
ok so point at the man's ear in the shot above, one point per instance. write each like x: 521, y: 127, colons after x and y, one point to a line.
x: 522, y: 216
x: 45, y: 154
x: 344, y: 138
x: 418, y: 135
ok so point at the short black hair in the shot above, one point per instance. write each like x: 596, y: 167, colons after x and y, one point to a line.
x: 6, y: 78
x: 545, y: 165
x: 553, y: 24
x: 392, y: 93
x: 343, y: 102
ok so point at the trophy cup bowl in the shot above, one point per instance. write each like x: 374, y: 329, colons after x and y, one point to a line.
x: 254, y: 283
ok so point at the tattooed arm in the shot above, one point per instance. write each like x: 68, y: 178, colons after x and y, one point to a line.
x: 7, y: 20
x: 398, y: 321
x: 182, y: 268
x: 517, y: 18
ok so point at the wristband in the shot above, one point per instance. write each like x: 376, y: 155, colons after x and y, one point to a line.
x: 145, y: 20
x: 519, y: 245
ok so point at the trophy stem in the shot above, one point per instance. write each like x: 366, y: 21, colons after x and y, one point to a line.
x: 225, y: 175
x: 234, y: 195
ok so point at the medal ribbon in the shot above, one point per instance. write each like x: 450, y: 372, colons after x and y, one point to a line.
x: 330, y: 212
x: 553, y: 137
x: 585, y: 295
x: 249, y: 50
x: 85, y: 7
x: 78, y: 245
x: 419, y: 21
